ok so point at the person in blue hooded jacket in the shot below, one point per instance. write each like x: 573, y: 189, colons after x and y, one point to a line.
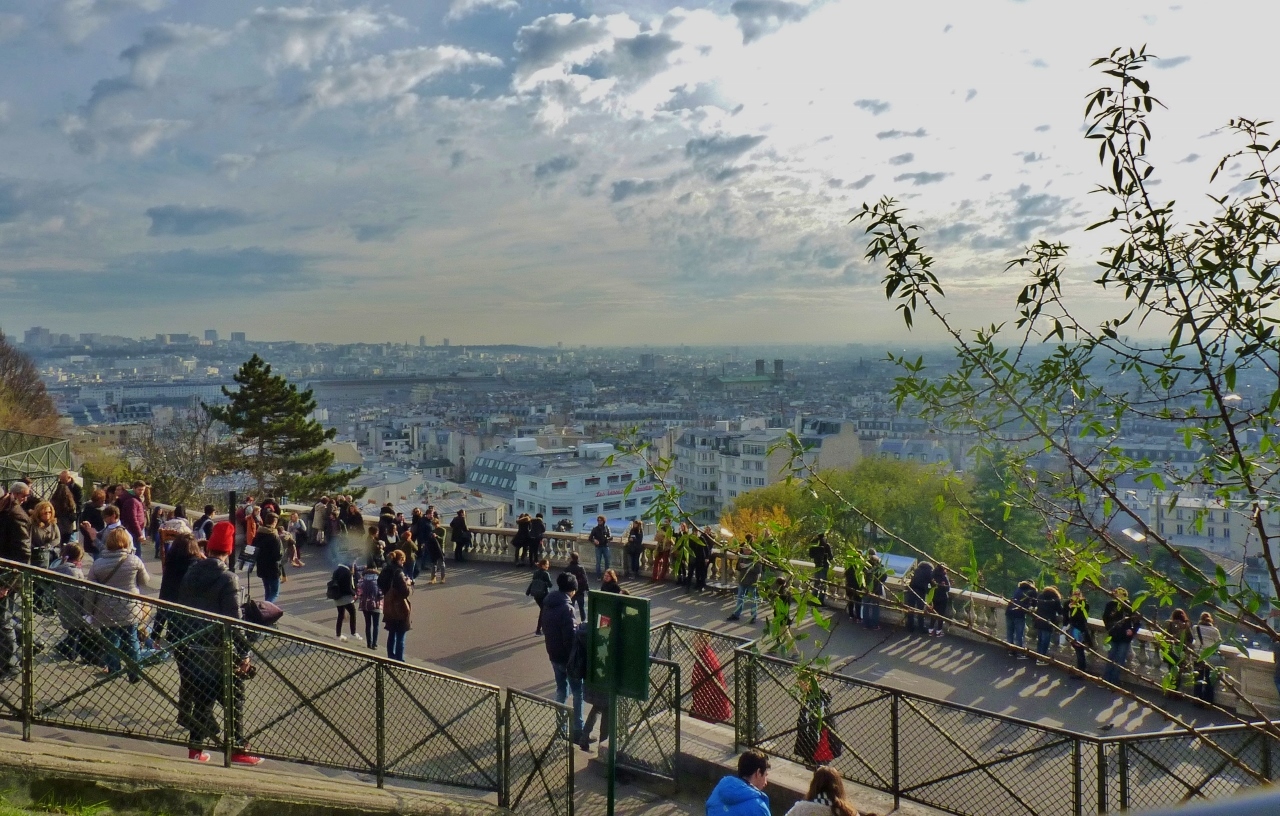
x: 742, y: 795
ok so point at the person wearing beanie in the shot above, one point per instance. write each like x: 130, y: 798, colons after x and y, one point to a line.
x: 559, y: 624
x: 210, y: 586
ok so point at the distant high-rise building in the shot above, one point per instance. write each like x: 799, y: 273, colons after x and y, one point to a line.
x: 237, y: 337
x: 422, y: 341
x: 37, y: 336
x: 647, y: 361
x: 211, y: 335
x: 446, y: 342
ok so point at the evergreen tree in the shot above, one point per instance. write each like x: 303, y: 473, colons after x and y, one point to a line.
x: 280, y: 447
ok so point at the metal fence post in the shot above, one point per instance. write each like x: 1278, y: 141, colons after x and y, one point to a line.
x: 894, y: 740
x: 26, y: 598
x: 1102, y: 777
x: 380, y: 721
x: 738, y: 701
x: 500, y: 744
x: 1266, y: 756
x: 228, y: 694
x: 1122, y: 761
x: 1077, y: 778
x: 504, y: 761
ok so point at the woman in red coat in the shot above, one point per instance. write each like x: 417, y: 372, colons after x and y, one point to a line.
x: 710, y: 693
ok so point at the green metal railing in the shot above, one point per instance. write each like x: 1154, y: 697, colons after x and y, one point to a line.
x: 209, y: 682
x: 41, y: 458
x: 957, y: 758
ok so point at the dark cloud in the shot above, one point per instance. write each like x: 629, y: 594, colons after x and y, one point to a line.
x: 756, y: 18
x: 378, y: 232
x: 873, y: 106
x: 247, y: 266
x: 702, y: 95
x: 545, y: 41
x: 1039, y: 205
x: 952, y: 233
x: 1170, y: 62
x: 730, y: 173
x: 720, y: 147
x: 1189, y: 158
x: 20, y: 198
x: 902, y: 158
x: 860, y: 183
x: 458, y: 158
x: 627, y: 188
x: 554, y: 166
x: 919, y: 179
x: 1041, y: 128
x: 175, y: 219
x: 642, y: 56
x: 1030, y: 157
x: 918, y: 133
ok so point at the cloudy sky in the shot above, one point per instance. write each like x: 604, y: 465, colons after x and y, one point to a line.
x: 592, y: 171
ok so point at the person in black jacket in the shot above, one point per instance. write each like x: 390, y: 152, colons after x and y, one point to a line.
x: 210, y: 586
x: 1078, y: 627
x: 1047, y: 616
x: 579, y: 574
x: 559, y: 627
x: 461, y: 536
x: 600, y: 538
x: 917, y: 589
x: 700, y: 550
x: 15, y: 545
x: 537, y: 532
x: 820, y: 554
x: 1015, y: 615
x: 941, y: 600
x: 520, y: 541
x: 1123, y: 625
x: 269, y: 556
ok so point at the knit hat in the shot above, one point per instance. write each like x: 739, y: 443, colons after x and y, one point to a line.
x: 222, y: 541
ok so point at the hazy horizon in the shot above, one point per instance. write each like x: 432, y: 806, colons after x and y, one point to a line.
x: 587, y: 171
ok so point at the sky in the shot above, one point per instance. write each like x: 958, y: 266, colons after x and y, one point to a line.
x: 609, y: 172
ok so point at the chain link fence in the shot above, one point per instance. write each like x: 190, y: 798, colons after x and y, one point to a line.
x: 539, y: 766
x: 649, y: 731
x: 81, y: 656
x: 708, y: 666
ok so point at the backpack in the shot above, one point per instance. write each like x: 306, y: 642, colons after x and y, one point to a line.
x: 339, y: 585
x: 577, y: 666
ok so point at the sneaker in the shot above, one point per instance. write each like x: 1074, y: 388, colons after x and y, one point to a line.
x: 1023, y: 657
x: 358, y: 637
x: 433, y: 580
x: 442, y: 579
x: 241, y: 758
x: 342, y: 638
x: 733, y: 618
x: 197, y: 755
x: 1042, y: 662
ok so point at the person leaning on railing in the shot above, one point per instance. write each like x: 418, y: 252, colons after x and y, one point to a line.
x: 15, y: 545
x: 210, y: 586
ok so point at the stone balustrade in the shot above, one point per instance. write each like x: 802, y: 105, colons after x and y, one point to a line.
x: 1251, y: 673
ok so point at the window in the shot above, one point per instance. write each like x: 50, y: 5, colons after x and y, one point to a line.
x: 760, y: 481
x: 646, y: 500
x: 759, y: 465
x: 562, y: 511
x: 559, y: 485
x: 1179, y: 529
x: 613, y: 479
x: 591, y: 481
x: 533, y: 485
x: 733, y: 493
x: 542, y: 508
x: 587, y: 509
x: 630, y: 503
x: 520, y: 503
x: 1226, y: 533
x: 626, y: 477
x: 612, y: 506
x: 1211, y: 532
x: 733, y: 478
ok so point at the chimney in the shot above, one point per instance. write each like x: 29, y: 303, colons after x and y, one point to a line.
x: 777, y: 369
x: 759, y: 368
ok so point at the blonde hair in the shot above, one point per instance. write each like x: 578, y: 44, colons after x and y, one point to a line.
x: 38, y: 511
x: 119, y: 539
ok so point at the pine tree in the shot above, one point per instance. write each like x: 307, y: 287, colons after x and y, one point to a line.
x: 280, y: 447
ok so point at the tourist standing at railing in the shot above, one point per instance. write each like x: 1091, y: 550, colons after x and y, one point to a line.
x: 119, y: 618
x: 913, y: 598
x: 538, y: 589
x: 941, y: 600
x: 820, y: 554
x: 320, y: 521
x: 682, y: 548
x: 1078, y: 627
x: 45, y: 536
x: 431, y: 547
x: 559, y: 627
x: 538, y: 533
x: 397, y: 610
x: 299, y: 534
x: 65, y: 498
x: 91, y: 522
x: 853, y: 578
x: 826, y: 797
x: 1015, y: 615
x: 663, y: 544
x: 1047, y: 616
x: 700, y: 549
x: 749, y: 571
x: 461, y: 536
x: 204, y: 525
x: 600, y: 538
x: 1122, y: 625
x: 520, y: 542
x: 1177, y: 652
x: 15, y: 545
x: 269, y: 556
x: 210, y: 586
x: 132, y: 514
x: 633, y: 549
x: 874, y: 589
x: 742, y: 795
x: 369, y: 598
x: 1204, y: 635
x: 579, y: 574
x: 153, y: 528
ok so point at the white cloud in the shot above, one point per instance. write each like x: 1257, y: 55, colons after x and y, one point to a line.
x: 77, y: 19
x: 465, y: 8
x: 300, y: 36
x: 392, y: 76
x: 560, y: 41
x: 137, y: 136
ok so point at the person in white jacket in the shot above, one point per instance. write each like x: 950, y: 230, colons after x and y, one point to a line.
x: 825, y: 797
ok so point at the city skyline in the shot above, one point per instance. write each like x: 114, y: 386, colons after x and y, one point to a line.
x: 599, y: 173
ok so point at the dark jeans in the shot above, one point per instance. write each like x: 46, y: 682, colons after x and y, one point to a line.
x: 1015, y: 629
x: 915, y: 619
x: 395, y: 645
x: 343, y: 611
x: 700, y: 573
x: 1044, y: 637
x: 601, y: 711
x: 459, y: 550
x: 199, y: 689
x: 633, y: 565
x: 371, y: 620
x: 9, y: 607
x: 1118, y: 655
x: 871, y: 610
x: 271, y: 589
x: 121, y: 639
